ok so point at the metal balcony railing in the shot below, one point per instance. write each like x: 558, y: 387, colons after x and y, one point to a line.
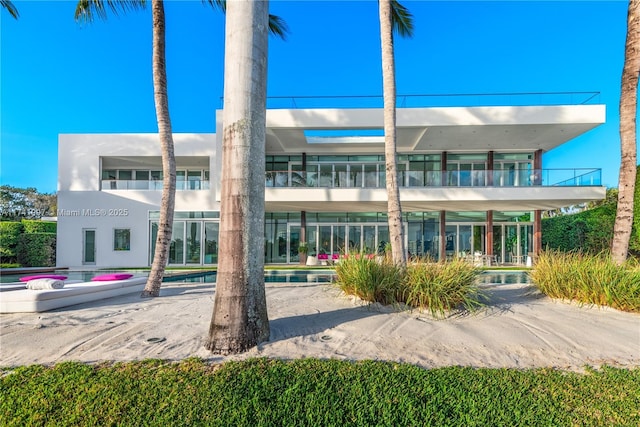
x: 582, y: 177
x: 126, y: 184
x: 435, y: 100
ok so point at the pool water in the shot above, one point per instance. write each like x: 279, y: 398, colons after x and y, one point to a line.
x: 270, y: 276
x: 84, y: 275
x: 504, y: 277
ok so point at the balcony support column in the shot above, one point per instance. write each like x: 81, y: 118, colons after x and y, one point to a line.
x: 537, y: 232
x: 489, y: 233
x: 303, y: 214
x: 443, y: 168
x: 490, y: 170
x: 537, y: 167
x: 442, y: 252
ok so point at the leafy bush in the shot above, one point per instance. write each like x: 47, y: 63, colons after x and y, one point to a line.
x: 438, y: 287
x: 311, y: 392
x: 35, y: 226
x: 589, y: 279
x: 37, y: 250
x: 589, y: 231
x: 9, y: 235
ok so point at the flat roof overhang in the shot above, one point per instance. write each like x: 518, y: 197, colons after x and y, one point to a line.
x: 435, y: 129
x: 429, y: 199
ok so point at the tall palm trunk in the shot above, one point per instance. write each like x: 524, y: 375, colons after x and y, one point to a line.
x: 628, y: 106
x: 394, y: 211
x: 165, y: 226
x: 239, y: 319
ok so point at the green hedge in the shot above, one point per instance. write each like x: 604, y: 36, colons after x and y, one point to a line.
x: 37, y: 250
x: 35, y: 226
x: 9, y: 234
x: 590, y: 231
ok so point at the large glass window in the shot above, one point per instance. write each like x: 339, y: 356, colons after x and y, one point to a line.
x: 194, y: 178
x: 513, y: 169
x: 121, y: 239
x: 176, y: 247
x: 211, y: 232
x: 193, y: 242
x: 181, y: 180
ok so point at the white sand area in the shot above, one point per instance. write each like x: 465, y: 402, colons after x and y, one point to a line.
x: 519, y: 329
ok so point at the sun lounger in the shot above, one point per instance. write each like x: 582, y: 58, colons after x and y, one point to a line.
x: 22, y: 300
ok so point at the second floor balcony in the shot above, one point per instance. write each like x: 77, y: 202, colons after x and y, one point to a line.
x: 153, y: 185
x: 375, y: 178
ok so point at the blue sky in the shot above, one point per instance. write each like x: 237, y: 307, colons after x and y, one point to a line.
x: 58, y: 76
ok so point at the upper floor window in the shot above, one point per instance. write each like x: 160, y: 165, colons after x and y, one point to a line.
x: 151, y: 179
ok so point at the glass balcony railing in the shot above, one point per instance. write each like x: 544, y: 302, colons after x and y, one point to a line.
x: 456, y: 178
x: 125, y: 184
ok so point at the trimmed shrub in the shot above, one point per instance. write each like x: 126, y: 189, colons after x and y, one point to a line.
x: 37, y: 249
x: 8, y: 265
x: 9, y: 235
x: 589, y: 231
x: 36, y: 226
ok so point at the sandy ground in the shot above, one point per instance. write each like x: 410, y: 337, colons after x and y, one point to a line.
x: 520, y: 328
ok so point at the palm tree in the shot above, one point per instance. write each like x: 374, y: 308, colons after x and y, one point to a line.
x: 393, y: 17
x: 84, y: 11
x: 10, y: 7
x: 239, y: 319
x: 628, y: 107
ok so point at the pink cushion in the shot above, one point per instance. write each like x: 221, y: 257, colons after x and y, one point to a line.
x: 42, y: 276
x: 114, y: 276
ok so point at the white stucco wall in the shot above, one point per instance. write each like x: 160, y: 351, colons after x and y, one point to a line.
x: 81, y: 205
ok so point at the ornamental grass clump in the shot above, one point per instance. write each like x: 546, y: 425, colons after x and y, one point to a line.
x: 588, y: 279
x: 443, y: 286
x: 369, y: 279
x: 434, y: 286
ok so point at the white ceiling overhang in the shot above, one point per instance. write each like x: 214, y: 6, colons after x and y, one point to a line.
x: 435, y: 129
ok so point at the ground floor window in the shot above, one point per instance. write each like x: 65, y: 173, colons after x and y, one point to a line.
x: 507, y: 237
x: 121, y: 239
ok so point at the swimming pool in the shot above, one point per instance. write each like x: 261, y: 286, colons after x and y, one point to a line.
x: 84, y: 275
x: 270, y: 276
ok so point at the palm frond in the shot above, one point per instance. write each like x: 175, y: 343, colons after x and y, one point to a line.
x: 401, y: 19
x: 87, y: 9
x: 217, y: 4
x: 10, y: 7
x: 277, y: 26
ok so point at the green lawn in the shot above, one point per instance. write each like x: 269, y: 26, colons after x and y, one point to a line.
x: 310, y: 392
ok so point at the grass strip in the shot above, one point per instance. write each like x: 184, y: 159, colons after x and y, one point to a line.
x: 265, y: 392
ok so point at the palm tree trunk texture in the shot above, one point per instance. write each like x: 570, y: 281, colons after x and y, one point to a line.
x: 239, y: 319
x: 394, y: 211
x: 628, y: 107
x: 165, y: 226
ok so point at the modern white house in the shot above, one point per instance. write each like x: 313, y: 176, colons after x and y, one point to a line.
x: 472, y: 181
